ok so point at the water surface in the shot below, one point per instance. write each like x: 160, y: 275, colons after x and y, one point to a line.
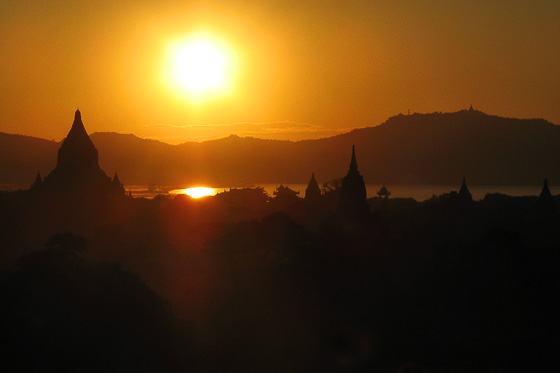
x: 418, y: 192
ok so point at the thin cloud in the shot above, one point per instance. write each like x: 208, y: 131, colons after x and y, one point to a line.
x: 280, y: 130
x: 274, y: 124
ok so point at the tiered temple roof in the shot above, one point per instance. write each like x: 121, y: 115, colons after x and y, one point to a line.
x: 77, y: 167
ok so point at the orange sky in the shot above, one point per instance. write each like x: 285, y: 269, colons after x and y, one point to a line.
x: 304, y: 69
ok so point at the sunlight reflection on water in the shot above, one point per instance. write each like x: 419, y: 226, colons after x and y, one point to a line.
x: 418, y: 192
x: 197, y: 192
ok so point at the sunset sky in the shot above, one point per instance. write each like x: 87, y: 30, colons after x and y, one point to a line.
x: 292, y: 69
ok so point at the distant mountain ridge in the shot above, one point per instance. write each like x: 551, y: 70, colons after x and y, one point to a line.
x: 436, y: 148
x: 22, y: 156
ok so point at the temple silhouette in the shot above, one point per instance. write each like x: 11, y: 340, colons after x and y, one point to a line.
x: 313, y: 192
x: 546, y: 205
x: 353, y: 191
x: 284, y: 192
x: 445, y: 284
x: 464, y: 194
x: 77, y: 169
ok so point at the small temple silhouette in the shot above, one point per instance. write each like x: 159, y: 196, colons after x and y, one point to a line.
x: 117, y: 185
x: 353, y: 193
x: 313, y: 192
x: 464, y: 194
x: 546, y: 205
x: 284, y: 192
x: 77, y: 168
x: 383, y: 193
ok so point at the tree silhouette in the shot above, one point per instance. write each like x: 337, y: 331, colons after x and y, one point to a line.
x: 64, y: 313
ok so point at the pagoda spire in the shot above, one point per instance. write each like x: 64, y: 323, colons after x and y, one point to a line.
x: 116, y: 179
x: 78, y: 125
x: 77, y: 116
x: 77, y: 150
x: 313, y: 178
x: 77, y: 167
x: 464, y: 193
x: 464, y: 187
x: 117, y: 185
x: 546, y: 205
x: 545, y: 192
x: 353, y: 191
x: 313, y: 192
x: 353, y: 163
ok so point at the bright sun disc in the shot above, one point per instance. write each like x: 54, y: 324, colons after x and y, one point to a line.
x: 199, y: 66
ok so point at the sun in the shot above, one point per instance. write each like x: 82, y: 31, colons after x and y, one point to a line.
x: 200, y: 66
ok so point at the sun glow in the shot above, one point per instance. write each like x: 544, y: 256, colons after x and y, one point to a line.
x: 199, y: 67
x: 197, y: 192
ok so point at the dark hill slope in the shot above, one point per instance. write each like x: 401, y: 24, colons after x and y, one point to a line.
x: 22, y: 156
x: 137, y: 161
x: 442, y: 148
x: 437, y: 148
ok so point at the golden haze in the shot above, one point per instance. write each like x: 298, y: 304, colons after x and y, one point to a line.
x: 304, y: 70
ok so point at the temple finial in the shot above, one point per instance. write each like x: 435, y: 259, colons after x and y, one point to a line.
x: 464, y: 191
x: 353, y: 192
x: 353, y: 163
x: 313, y: 192
x: 545, y: 192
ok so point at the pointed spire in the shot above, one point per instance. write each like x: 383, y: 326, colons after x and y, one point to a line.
x: 545, y: 193
x: 546, y: 204
x: 313, y: 192
x: 353, y: 193
x: 464, y: 186
x: 464, y: 191
x: 353, y: 163
x: 78, y: 141
x: 78, y: 125
x: 117, y: 185
x: 77, y: 168
x: 78, y: 133
x: 77, y: 158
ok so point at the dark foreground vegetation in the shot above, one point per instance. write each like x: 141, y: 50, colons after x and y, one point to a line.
x: 247, y: 283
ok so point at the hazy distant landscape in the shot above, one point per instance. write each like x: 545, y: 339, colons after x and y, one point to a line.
x: 417, y: 149
x: 255, y: 279
x: 279, y: 186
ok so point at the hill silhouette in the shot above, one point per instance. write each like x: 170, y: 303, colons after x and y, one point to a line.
x: 435, y: 148
x: 20, y: 154
x: 335, y: 283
